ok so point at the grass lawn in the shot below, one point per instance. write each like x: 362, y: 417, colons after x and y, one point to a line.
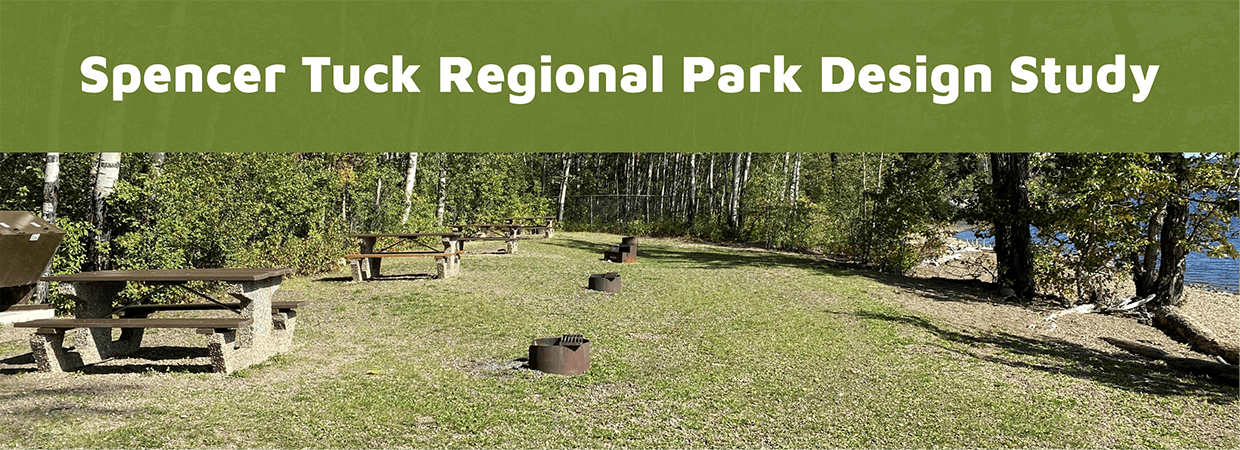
x: 706, y: 347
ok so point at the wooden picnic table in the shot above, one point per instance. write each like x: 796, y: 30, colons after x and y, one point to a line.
x: 252, y: 334
x: 544, y: 225
x: 474, y: 230
x: 368, y: 261
x: 508, y: 233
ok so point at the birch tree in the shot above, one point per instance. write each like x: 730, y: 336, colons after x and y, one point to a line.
x: 796, y: 180
x: 107, y: 170
x: 734, y: 201
x: 443, y: 189
x: 692, y: 186
x: 410, y: 180
x: 568, y: 161
x: 51, y: 189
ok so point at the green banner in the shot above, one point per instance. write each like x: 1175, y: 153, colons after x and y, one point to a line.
x: 618, y: 76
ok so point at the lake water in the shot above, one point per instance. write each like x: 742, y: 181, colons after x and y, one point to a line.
x: 1221, y: 273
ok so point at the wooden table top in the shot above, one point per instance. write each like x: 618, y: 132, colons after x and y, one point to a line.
x: 176, y: 275
x: 405, y: 235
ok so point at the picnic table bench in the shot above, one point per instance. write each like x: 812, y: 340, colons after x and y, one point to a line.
x: 544, y: 225
x: 367, y: 262
x: 258, y: 330
x: 508, y: 233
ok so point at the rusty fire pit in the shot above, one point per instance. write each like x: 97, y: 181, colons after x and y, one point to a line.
x: 625, y: 253
x: 566, y: 355
x: 605, y: 282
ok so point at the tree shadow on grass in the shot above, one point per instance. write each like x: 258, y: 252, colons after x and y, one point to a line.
x: 1120, y: 370
x: 949, y: 290
x: 66, y: 401
x: 939, y: 289
x: 146, y: 359
x: 708, y: 258
x: 392, y: 277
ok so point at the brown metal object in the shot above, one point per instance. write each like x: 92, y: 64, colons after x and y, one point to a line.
x: 566, y: 355
x: 605, y: 282
x: 625, y: 253
x: 27, y: 244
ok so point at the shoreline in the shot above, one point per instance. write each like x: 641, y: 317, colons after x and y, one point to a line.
x: 1215, y: 309
x: 960, y: 227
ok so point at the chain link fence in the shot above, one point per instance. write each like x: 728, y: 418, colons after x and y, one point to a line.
x: 618, y: 208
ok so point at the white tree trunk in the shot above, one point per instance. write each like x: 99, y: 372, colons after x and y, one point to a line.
x: 375, y: 220
x: 734, y: 202
x: 663, y: 188
x: 787, y: 181
x: 107, y: 170
x: 796, y: 179
x: 693, y: 185
x: 157, y: 168
x: 443, y: 190
x: 710, y: 180
x: 741, y: 192
x: 51, y: 188
x: 676, y: 205
x: 410, y: 178
x: 568, y: 162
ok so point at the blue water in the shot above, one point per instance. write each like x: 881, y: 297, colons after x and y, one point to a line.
x: 1221, y: 273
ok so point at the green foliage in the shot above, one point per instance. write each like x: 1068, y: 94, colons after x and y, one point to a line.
x: 486, y: 187
x: 264, y: 210
x: 70, y: 257
x: 886, y: 211
x: 22, y: 183
x: 229, y: 210
x: 1096, y: 211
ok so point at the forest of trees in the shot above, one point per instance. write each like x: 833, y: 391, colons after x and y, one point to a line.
x: 1065, y: 224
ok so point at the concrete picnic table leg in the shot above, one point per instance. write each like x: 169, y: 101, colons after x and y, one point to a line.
x: 91, y: 300
x: 283, y: 324
x: 367, y: 245
x: 94, y: 300
x: 255, y: 298
x: 450, y: 264
x: 512, y: 241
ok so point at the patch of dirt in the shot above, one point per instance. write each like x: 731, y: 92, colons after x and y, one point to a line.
x: 1220, y: 312
x: 966, y: 272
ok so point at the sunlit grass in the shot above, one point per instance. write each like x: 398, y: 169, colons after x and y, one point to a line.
x: 706, y: 347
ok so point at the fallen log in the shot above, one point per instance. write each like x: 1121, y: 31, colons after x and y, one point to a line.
x: 1201, y: 339
x: 1219, y: 371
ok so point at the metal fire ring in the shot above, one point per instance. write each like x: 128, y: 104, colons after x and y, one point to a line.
x: 605, y: 282
x: 568, y: 355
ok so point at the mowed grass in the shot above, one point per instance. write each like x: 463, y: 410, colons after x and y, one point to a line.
x: 706, y: 347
